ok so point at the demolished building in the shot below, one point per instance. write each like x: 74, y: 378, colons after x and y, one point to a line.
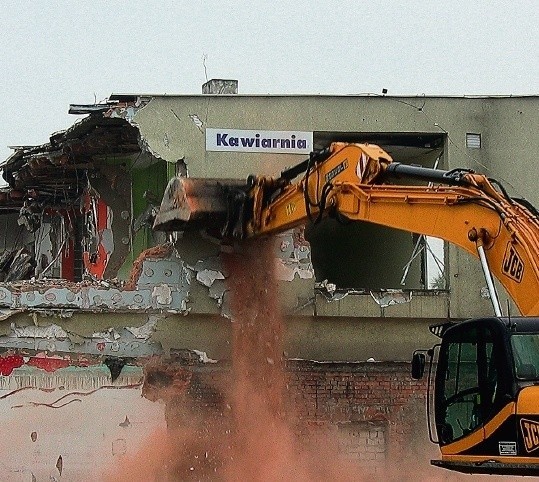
x: 88, y: 283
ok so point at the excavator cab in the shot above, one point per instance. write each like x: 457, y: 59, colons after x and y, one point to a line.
x: 486, y: 395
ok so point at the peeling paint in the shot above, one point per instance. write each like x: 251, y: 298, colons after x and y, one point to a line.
x: 203, y: 357
x: 387, y: 298
x: 160, y: 280
x: 210, y: 273
x: 89, y: 298
x: 293, y: 261
x: 217, y: 291
x: 32, y: 331
x: 5, y: 314
x: 111, y: 335
x: 162, y: 294
x: 331, y: 294
x: 126, y: 346
x: 208, y: 276
x: 145, y: 331
x: 197, y: 121
x: 293, y: 255
x: 115, y: 341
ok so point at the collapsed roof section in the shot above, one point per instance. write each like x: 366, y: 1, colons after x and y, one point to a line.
x: 89, y: 189
x: 56, y: 173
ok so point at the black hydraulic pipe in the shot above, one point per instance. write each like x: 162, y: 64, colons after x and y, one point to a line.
x: 315, y: 158
x: 296, y: 170
x: 454, y: 177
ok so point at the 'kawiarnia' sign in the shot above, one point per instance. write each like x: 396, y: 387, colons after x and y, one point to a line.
x: 290, y: 142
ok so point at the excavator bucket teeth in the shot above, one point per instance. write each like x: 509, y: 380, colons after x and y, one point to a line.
x: 200, y: 204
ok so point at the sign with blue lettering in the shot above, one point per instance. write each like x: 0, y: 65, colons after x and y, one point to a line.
x: 277, y: 142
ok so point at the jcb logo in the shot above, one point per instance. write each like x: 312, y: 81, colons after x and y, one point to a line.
x: 512, y: 266
x: 530, y: 434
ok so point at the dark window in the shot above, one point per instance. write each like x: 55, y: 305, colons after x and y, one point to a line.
x: 526, y: 355
x: 468, y: 383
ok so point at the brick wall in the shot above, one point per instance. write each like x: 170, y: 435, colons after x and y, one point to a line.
x: 377, y: 410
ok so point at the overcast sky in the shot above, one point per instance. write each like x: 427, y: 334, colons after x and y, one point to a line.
x: 54, y: 53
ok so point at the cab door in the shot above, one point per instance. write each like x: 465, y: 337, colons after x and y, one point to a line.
x: 468, y: 384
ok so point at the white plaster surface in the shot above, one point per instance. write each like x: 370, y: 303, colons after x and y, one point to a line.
x: 86, y: 433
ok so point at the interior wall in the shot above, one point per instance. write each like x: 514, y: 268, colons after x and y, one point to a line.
x: 12, y: 235
x: 362, y: 255
x: 367, y: 256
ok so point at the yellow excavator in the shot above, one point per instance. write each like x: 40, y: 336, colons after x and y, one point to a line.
x: 483, y: 401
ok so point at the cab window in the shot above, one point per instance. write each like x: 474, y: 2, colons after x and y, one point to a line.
x: 526, y: 355
x: 467, y: 383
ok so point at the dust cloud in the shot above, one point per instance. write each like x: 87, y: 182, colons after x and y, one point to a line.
x: 254, y: 436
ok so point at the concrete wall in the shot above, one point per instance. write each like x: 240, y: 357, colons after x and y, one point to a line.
x: 324, y: 325
x: 506, y: 125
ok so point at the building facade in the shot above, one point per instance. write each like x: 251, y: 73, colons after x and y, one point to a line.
x: 86, y: 276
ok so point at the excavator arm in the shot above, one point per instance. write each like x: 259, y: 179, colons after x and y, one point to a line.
x: 351, y: 181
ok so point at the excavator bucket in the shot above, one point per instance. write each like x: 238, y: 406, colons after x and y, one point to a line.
x: 200, y: 204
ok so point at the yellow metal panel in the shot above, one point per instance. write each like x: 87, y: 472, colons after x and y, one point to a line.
x: 528, y: 401
x: 479, y: 435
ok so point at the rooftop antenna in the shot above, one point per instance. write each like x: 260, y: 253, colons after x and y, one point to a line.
x: 204, y: 58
